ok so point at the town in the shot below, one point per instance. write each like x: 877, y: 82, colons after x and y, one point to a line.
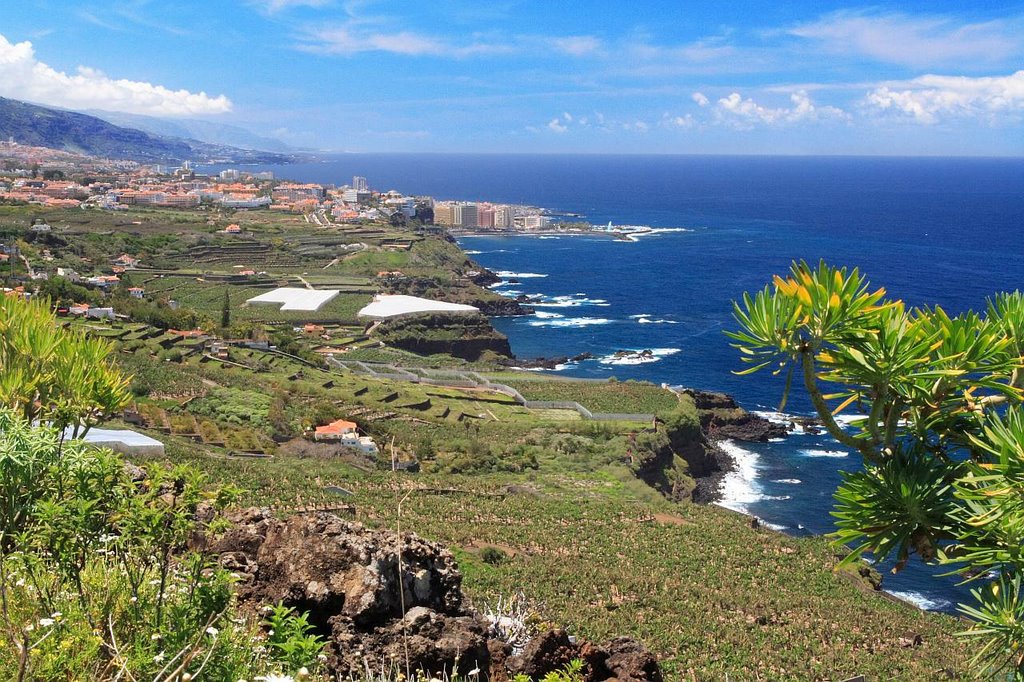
x: 36, y: 175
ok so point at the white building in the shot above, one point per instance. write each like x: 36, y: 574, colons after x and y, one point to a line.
x: 359, y: 184
x: 356, y: 196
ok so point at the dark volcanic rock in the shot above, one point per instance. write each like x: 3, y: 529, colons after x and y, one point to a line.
x: 549, y: 651
x: 621, y: 659
x: 628, y: 661
x: 544, y: 363
x: 357, y: 583
x: 326, y: 564
x: 347, y: 577
x: 722, y: 417
x: 748, y: 427
x: 501, y: 307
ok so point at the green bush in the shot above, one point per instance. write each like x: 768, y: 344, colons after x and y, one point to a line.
x: 96, y: 580
x: 493, y: 556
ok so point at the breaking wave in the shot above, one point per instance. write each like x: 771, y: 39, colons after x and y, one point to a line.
x: 570, y: 322
x: 637, y: 357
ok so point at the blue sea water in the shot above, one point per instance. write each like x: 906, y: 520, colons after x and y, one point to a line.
x: 931, y: 230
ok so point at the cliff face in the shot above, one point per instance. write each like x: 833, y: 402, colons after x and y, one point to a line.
x: 683, y: 461
x: 462, y: 336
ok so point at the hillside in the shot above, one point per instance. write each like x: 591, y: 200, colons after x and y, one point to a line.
x: 34, y: 125
x: 205, y: 131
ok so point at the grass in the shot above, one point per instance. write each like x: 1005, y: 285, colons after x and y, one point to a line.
x: 596, y: 396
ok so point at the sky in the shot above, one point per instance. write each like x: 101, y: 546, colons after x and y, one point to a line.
x: 651, y: 76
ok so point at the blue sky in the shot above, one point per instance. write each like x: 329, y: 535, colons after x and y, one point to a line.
x: 745, y: 76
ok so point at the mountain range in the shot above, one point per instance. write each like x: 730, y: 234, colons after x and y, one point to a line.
x: 31, y: 124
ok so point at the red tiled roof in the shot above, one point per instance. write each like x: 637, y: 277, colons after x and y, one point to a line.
x: 336, y: 427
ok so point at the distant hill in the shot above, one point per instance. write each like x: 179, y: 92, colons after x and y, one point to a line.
x: 31, y: 124
x: 205, y: 131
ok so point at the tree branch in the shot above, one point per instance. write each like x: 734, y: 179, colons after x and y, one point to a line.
x: 818, y: 400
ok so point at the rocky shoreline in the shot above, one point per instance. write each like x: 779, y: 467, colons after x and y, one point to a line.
x: 721, y: 418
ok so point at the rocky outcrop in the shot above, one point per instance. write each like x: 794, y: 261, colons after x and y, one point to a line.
x: 695, y: 440
x: 721, y: 417
x: 384, y: 599
x: 500, y: 306
x: 544, y: 363
x: 621, y: 659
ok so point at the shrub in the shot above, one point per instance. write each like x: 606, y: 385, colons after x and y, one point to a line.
x: 493, y: 556
x: 96, y: 580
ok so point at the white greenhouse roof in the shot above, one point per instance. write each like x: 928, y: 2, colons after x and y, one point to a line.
x: 394, y: 305
x: 293, y: 298
x: 121, y: 440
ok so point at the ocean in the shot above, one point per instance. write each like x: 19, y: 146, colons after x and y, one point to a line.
x: 930, y: 230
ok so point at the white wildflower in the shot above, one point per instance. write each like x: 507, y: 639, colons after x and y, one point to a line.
x: 46, y: 622
x: 155, y: 636
x: 159, y: 658
x: 212, y: 631
x: 474, y: 672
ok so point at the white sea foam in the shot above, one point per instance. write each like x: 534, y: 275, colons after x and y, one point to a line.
x: 471, y: 252
x: 774, y: 526
x: 775, y: 417
x: 788, y: 481
x: 545, y: 315
x: 571, y: 322
x: 637, y: 317
x: 647, y: 320
x: 921, y: 601
x: 845, y: 420
x: 518, y: 275
x: 549, y: 236
x: 567, y: 301
x: 637, y: 357
x: 824, y: 453
x: 784, y: 419
x: 740, y: 488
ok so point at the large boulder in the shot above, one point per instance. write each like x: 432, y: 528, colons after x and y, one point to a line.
x: 392, y: 602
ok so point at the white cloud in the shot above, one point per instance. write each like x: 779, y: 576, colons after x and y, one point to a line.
x: 274, y: 6
x: 700, y: 98
x: 352, y: 38
x: 915, y: 40
x: 577, y: 46
x: 636, y: 126
x: 930, y: 98
x: 557, y: 126
x: 670, y: 121
x: 24, y: 77
x: 745, y: 113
